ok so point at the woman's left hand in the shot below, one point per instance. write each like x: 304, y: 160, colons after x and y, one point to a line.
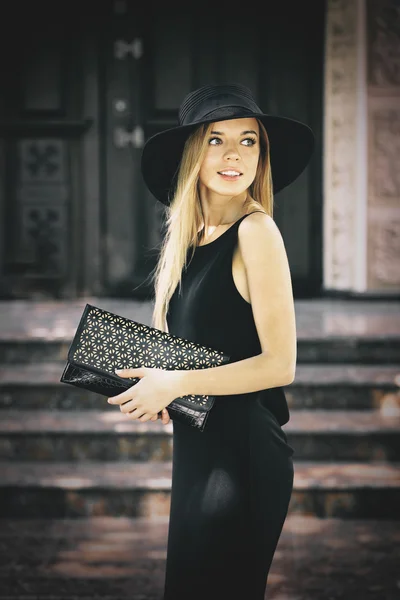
x: 155, y: 390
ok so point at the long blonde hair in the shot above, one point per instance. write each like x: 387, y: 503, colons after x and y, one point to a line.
x: 184, y: 215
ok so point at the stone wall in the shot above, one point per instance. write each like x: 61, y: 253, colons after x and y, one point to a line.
x: 361, y: 147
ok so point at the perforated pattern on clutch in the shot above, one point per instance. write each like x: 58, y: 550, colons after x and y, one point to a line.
x: 105, y: 341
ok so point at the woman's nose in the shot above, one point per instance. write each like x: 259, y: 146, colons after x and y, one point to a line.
x: 232, y: 154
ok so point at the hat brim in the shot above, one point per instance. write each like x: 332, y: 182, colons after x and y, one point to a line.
x: 291, y: 147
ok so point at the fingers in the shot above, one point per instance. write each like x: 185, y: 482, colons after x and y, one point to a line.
x: 144, y: 418
x: 165, y: 416
x: 128, y: 407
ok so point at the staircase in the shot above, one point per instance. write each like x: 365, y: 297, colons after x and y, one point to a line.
x: 66, y: 453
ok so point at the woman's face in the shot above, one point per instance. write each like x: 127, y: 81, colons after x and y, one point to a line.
x: 230, y: 164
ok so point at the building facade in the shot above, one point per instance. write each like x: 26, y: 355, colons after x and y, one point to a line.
x: 85, y: 86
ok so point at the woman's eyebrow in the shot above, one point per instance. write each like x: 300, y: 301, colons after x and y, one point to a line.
x: 243, y: 132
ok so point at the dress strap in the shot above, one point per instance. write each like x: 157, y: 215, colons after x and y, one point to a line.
x: 224, y: 236
x: 248, y: 214
x: 252, y: 213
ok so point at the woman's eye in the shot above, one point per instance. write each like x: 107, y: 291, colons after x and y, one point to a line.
x: 215, y: 139
x: 252, y: 140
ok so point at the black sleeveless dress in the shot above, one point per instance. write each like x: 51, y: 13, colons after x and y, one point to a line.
x: 232, y: 482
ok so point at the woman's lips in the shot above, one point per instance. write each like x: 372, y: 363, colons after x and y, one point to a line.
x: 230, y: 177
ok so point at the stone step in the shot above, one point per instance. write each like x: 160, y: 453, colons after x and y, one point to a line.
x: 334, y: 350
x: 349, y: 349
x: 323, y: 435
x: 328, y: 329
x: 142, y: 489
x: 81, y: 435
x: 122, y: 558
x: 343, y: 386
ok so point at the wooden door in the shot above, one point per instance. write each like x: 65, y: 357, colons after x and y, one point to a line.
x: 152, y: 59
x: 43, y: 127
x: 84, y: 85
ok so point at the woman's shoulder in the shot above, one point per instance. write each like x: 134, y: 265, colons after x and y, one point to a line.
x: 256, y: 227
x: 253, y: 207
x: 258, y: 215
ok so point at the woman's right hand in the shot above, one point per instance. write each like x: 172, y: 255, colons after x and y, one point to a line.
x: 165, y: 418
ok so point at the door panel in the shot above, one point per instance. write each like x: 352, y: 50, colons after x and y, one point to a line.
x: 41, y: 126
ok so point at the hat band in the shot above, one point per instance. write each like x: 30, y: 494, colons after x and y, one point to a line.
x: 223, y: 112
x: 194, y: 113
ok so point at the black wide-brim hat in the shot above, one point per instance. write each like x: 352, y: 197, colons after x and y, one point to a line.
x: 291, y: 142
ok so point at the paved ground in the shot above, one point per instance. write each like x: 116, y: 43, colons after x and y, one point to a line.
x: 107, y: 558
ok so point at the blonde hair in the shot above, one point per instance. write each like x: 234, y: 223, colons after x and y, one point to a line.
x: 184, y: 215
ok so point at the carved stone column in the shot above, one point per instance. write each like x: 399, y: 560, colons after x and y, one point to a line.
x: 384, y: 145
x: 361, y: 131
x: 345, y: 162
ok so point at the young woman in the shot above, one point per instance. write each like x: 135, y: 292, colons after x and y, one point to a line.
x: 223, y: 280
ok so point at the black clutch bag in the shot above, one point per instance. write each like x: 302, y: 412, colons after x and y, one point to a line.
x: 105, y: 341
